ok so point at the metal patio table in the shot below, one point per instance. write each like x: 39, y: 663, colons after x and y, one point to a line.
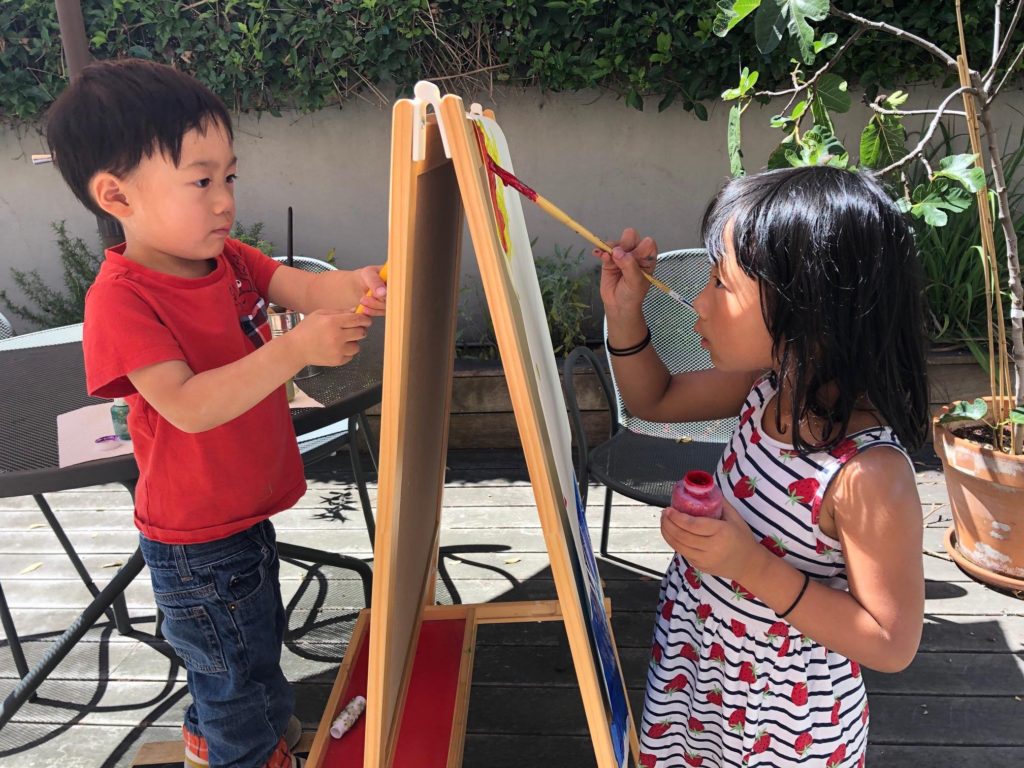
x: 40, y: 382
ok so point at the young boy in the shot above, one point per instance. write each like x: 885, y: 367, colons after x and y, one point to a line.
x: 176, y: 322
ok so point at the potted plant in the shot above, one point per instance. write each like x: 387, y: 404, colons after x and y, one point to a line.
x: 979, y: 442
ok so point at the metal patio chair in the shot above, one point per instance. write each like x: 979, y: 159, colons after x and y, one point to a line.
x: 642, y: 460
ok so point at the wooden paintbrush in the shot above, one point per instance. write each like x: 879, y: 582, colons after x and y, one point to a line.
x: 510, y: 180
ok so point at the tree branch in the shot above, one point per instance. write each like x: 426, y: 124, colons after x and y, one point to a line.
x: 814, y: 78
x: 1004, y: 46
x: 996, y: 30
x: 1009, y: 71
x: 880, y: 26
x: 876, y: 107
x: 921, y: 145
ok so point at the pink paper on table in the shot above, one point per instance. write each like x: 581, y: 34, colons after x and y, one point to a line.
x: 302, y: 400
x: 77, y: 432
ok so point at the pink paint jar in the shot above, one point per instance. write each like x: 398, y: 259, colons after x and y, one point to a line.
x: 696, y: 494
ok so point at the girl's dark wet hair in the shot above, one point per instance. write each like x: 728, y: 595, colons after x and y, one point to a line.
x: 116, y: 112
x: 840, y: 293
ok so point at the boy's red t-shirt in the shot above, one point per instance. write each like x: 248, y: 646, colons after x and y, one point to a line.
x: 198, y: 487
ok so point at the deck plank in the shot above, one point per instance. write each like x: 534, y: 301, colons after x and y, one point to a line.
x: 959, y: 703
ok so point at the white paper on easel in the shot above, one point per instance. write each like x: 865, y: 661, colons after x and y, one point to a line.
x: 77, y: 432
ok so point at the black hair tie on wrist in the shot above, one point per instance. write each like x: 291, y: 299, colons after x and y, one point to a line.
x: 799, y: 596
x: 626, y: 351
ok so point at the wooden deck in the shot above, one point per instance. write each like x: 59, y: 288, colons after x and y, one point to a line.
x: 960, y: 703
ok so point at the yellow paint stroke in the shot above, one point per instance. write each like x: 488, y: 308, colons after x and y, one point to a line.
x: 498, y: 187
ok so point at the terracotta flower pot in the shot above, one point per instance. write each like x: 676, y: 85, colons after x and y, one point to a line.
x: 986, y: 494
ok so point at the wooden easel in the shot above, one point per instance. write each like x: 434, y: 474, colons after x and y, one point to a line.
x: 412, y: 660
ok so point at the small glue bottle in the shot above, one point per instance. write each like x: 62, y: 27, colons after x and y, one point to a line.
x: 119, y: 418
x: 348, y: 716
x: 696, y: 494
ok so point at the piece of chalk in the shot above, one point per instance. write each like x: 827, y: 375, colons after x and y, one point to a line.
x: 344, y: 721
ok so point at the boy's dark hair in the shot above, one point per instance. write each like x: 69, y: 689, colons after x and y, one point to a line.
x: 115, y: 112
x: 840, y: 293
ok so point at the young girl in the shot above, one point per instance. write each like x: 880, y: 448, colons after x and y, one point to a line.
x: 812, y: 319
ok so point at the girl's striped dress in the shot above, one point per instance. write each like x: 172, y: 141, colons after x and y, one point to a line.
x: 729, y: 683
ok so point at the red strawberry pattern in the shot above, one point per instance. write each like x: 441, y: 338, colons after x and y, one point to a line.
x: 799, y: 694
x: 745, y: 487
x: 658, y: 730
x: 745, y: 416
x: 692, y: 576
x: 845, y: 450
x: 837, y: 757
x: 739, y: 592
x: 738, y: 720
x: 656, y: 653
x: 677, y: 683
x: 788, y: 453
x: 775, y: 545
x: 729, y: 462
x: 803, y: 491
x: 769, y: 664
x: 763, y: 741
x: 803, y: 743
x: 666, y: 610
x: 648, y: 760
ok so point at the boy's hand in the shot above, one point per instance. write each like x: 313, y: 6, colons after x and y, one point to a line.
x: 623, y: 287
x: 328, y: 337
x: 725, y: 548
x: 376, y: 290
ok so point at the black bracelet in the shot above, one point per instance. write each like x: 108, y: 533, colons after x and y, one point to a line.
x: 626, y: 351
x: 800, y: 594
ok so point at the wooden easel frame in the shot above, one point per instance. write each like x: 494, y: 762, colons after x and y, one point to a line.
x: 423, y: 257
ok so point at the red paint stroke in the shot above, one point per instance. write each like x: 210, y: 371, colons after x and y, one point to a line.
x: 510, y: 180
x: 492, y: 185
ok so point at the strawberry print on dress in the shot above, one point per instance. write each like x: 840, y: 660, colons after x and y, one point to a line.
x: 731, y: 684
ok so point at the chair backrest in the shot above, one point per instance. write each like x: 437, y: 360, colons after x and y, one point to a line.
x: 677, y: 345
x: 63, y: 334
x: 307, y: 263
x: 6, y: 329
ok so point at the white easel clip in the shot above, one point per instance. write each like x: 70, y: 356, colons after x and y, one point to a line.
x: 426, y: 93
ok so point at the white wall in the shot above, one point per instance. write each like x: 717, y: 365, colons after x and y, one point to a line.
x: 607, y: 165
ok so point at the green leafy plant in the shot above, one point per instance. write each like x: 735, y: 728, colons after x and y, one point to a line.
x: 567, y: 290
x: 52, y: 307
x: 296, y: 54
x: 252, y: 235
x: 566, y: 287
x: 946, y: 187
x: 950, y: 255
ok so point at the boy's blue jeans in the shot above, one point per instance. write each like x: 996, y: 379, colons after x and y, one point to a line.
x: 224, y: 618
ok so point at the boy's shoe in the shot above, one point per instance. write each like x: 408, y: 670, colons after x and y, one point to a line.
x: 196, y: 754
x: 292, y: 732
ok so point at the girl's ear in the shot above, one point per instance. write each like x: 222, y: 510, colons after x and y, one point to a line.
x: 109, y: 193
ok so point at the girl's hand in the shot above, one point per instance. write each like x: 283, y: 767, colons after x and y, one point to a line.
x: 375, y: 291
x: 623, y: 287
x: 725, y: 548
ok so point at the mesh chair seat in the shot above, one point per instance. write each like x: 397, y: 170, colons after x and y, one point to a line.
x: 642, y: 459
x: 6, y: 329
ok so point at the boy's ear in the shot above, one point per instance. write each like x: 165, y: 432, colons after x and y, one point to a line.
x: 109, y: 193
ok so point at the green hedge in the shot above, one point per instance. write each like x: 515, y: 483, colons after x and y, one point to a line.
x: 262, y: 55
